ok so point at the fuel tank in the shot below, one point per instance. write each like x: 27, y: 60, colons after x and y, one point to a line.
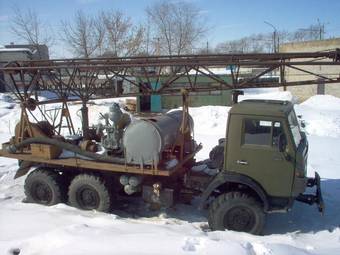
x: 144, y: 140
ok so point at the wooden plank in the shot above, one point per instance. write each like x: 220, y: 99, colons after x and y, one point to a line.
x: 88, y: 164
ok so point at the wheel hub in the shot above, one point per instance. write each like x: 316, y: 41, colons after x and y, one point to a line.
x: 42, y: 193
x: 88, y: 198
x: 239, y: 219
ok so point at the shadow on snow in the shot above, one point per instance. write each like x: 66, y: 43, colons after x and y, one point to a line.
x: 302, y: 218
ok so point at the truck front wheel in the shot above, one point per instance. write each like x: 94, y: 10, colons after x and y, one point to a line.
x: 89, y: 192
x: 238, y: 212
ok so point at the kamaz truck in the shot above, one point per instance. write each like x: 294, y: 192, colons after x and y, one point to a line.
x: 261, y: 163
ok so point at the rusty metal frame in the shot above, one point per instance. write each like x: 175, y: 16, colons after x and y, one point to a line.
x: 79, y: 79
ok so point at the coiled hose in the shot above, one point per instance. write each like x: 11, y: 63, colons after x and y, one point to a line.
x: 66, y: 146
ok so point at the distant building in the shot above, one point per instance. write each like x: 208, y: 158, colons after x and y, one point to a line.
x: 305, y: 92
x: 157, y: 103
x: 16, y: 52
x: 39, y: 51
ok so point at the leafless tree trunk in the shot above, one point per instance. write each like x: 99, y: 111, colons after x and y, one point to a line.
x: 28, y: 27
x: 177, y: 27
x: 84, y: 36
x: 122, y: 37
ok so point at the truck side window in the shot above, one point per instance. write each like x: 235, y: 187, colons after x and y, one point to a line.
x: 257, y: 132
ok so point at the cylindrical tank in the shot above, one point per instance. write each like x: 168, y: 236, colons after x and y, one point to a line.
x: 144, y: 140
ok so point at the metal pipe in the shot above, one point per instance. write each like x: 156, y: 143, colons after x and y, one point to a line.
x: 164, y: 60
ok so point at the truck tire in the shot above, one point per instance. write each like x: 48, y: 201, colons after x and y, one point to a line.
x: 42, y: 186
x: 89, y: 192
x: 236, y: 211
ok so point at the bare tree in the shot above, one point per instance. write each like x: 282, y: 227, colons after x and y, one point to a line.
x: 122, y: 37
x: 84, y: 36
x: 28, y: 27
x: 263, y: 42
x: 313, y: 32
x: 177, y: 27
x: 253, y: 43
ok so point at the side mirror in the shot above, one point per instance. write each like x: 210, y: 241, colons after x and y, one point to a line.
x: 282, y: 143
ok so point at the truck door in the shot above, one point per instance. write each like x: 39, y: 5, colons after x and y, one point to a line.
x: 254, y: 152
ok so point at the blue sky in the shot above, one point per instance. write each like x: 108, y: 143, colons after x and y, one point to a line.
x: 227, y: 19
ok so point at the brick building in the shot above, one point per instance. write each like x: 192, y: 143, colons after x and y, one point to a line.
x: 304, y: 92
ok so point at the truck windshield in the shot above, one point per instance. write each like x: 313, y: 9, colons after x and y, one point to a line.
x: 294, y: 126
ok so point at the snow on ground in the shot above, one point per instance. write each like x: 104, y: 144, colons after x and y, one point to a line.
x: 322, y: 115
x: 132, y: 229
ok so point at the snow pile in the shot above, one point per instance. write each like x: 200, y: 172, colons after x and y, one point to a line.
x: 322, y: 115
x: 323, y: 102
x: 131, y: 229
x: 217, y: 116
x: 210, y: 123
x: 6, y: 102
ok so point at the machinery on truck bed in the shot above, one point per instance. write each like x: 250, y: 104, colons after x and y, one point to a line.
x: 261, y: 162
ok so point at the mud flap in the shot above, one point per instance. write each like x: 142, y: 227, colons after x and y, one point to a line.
x: 319, y: 199
x: 24, y: 168
x: 313, y: 199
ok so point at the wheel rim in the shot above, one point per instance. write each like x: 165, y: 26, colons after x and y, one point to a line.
x: 239, y: 218
x: 41, y: 192
x: 87, y: 197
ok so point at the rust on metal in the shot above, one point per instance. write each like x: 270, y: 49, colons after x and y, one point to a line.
x: 95, y: 165
x: 83, y: 80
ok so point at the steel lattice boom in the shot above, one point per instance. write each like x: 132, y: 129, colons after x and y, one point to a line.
x: 98, y: 77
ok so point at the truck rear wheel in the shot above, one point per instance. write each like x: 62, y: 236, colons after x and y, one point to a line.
x: 42, y: 186
x: 236, y: 211
x: 89, y: 192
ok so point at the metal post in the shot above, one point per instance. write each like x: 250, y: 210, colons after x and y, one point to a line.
x: 275, y: 36
x: 85, y: 119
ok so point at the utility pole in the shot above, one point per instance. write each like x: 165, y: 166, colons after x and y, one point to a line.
x: 275, y: 37
x: 321, y: 30
x: 318, y: 30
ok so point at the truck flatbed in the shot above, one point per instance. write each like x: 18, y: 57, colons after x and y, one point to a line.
x: 75, y: 162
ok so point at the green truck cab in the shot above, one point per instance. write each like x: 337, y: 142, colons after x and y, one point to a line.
x: 263, y: 168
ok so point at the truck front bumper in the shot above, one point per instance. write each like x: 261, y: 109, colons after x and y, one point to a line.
x: 313, y: 198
